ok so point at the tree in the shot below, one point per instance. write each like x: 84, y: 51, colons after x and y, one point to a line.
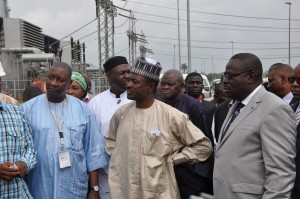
x: 184, y: 68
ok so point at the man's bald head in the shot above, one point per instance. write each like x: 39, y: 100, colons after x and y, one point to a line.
x: 175, y: 73
x: 250, y: 62
x: 171, y: 84
x: 278, y: 75
x: 282, y: 68
x: 64, y: 66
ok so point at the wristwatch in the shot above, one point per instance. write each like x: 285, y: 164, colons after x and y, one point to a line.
x: 94, y: 188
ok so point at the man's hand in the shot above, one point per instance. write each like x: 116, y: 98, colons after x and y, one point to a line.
x: 22, y: 168
x: 7, y: 173
x: 94, y: 195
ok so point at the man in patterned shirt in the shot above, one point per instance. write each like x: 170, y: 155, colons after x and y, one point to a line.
x: 17, y: 154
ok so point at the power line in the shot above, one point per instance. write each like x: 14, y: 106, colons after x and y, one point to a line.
x: 220, y: 58
x: 227, y: 48
x: 122, y: 24
x: 88, y: 35
x: 221, y: 42
x: 122, y: 50
x: 119, y: 33
x: 212, y: 22
x: 218, y: 14
x: 74, y: 31
x: 249, y: 30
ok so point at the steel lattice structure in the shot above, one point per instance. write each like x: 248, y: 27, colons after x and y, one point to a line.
x: 105, y: 14
x: 132, y: 39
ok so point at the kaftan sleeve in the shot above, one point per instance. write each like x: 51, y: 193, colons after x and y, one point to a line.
x: 197, y: 146
x: 94, y: 146
x: 110, y: 138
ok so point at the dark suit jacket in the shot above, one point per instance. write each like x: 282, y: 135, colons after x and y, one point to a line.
x: 296, y: 190
x: 194, y: 178
x: 209, y: 109
x: 196, y: 112
x: 220, y: 115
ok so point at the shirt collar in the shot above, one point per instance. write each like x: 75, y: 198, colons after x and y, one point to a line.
x: 124, y: 94
x: 288, y: 98
x: 248, y: 98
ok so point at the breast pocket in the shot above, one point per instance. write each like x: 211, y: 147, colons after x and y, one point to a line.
x: 15, y: 140
x: 76, y: 137
x: 148, y: 143
x: 155, y: 145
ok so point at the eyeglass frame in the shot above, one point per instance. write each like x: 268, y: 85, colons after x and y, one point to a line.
x: 229, y: 75
x: 291, y: 80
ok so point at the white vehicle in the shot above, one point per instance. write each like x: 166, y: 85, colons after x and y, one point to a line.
x: 214, y: 83
x: 206, y: 89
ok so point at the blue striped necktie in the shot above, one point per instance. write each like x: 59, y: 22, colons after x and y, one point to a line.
x: 234, y: 114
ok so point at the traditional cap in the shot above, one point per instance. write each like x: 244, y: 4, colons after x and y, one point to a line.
x: 79, y: 78
x: 147, y: 67
x: 113, y: 62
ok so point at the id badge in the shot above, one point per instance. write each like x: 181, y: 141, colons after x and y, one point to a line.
x: 64, y: 159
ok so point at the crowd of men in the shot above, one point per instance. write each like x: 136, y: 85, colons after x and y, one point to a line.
x: 147, y: 137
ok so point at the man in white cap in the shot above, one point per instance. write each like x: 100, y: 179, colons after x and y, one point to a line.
x: 5, y: 98
x: 106, y: 103
x: 147, y: 137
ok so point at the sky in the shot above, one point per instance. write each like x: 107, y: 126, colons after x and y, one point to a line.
x: 219, y: 29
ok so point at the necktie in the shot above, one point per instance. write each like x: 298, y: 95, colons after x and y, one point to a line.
x: 297, y: 113
x: 235, y: 113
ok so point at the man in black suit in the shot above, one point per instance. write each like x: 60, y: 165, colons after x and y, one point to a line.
x: 192, y: 179
x: 278, y: 81
x: 219, y: 95
x: 193, y: 87
x: 219, y: 117
x: 294, y: 80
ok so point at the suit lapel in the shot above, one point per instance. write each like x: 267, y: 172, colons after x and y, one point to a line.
x: 294, y: 105
x: 251, y: 106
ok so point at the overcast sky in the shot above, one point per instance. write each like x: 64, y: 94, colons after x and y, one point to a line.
x: 218, y: 28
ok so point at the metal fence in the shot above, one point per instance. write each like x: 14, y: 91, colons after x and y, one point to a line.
x: 14, y: 88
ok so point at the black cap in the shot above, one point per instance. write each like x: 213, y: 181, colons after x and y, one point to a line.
x: 113, y: 62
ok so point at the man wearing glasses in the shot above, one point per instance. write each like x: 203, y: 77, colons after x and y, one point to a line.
x: 256, y: 147
x: 294, y: 80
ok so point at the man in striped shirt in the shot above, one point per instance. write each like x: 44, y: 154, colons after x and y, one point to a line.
x: 17, y: 154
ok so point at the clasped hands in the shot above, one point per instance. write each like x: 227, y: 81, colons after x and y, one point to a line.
x: 8, y: 171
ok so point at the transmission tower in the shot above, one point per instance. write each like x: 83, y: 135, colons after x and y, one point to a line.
x: 105, y: 14
x: 143, y: 42
x: 132, y: 39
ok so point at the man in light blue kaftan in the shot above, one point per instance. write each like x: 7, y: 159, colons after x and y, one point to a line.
x: 82, y: 139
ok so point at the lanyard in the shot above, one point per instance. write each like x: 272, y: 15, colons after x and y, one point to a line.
x: 60, y: 124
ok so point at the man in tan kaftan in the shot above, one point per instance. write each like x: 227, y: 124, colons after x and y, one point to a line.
x: 146, y: 137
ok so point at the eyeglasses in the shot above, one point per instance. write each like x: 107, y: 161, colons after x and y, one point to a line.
x: 228, y: 75
x: 293, y: 79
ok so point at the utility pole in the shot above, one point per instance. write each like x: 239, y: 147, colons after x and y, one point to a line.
x: 212, y: 66
x: 189, y: 37
x: 289, y: 3
x: 231, y: 48
x: 174, y: 59
x: 179, y: 47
